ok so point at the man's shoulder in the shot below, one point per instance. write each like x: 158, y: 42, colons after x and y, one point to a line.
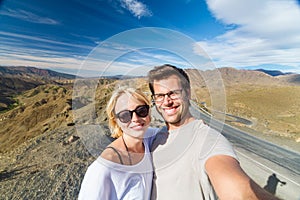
x: 195, y: 124
x: 202, y: 126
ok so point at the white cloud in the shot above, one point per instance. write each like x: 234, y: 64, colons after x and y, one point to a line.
x: 137, y: 8
x: 28, y: 16
x: 47, y: 53
x: 44, y: 62
x: 266, y: 32
x: 16, y: 37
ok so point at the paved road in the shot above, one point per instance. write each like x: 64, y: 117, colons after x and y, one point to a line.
x: 260, y: 159
x: 282, y: 157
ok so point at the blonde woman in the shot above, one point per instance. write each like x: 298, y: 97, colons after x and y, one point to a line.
x: 124, y: 169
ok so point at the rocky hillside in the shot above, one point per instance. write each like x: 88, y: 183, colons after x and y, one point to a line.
x: 15, y: 80
x: 34, y: 73
x: 43, y: 108
x: 42, y: 156
x: 44, y: 167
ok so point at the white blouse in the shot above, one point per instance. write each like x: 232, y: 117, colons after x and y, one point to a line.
x: 107, y: 180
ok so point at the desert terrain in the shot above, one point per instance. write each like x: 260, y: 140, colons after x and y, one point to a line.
x: 43, y: 157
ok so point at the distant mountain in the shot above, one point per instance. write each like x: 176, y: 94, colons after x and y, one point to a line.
x: 284, y: 77
x: 15, y: 80
x: 122, y: 77
x: 291, y: 78
x: 44, y: 74
x: 232, y: 76
x: 236, y: 76
x: 273, y: 72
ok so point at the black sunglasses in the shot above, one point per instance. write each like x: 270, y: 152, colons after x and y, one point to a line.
x: 126, y: 115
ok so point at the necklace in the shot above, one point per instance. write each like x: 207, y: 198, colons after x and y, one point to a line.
x: 130, y: 162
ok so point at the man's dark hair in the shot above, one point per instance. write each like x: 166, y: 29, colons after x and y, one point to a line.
x: 165, y: 71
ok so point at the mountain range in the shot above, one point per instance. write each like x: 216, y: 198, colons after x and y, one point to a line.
x: 273, y: 72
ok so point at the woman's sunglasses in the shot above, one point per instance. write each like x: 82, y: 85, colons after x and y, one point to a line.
x: 125, y: 116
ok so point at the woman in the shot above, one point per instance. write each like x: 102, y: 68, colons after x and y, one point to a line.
x: 124, y: 169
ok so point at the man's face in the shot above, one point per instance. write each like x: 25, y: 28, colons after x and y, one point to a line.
x: 173, y: 107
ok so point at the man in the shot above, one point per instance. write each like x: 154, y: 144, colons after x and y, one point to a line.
x: 190, y: 159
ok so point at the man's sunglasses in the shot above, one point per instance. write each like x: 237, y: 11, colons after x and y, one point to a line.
x: 125, y: 116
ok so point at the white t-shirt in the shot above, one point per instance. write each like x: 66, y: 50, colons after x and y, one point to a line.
x: 107, y: 180
x: 179, y: 161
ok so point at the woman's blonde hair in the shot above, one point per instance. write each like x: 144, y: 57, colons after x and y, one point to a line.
x: 115, y: 129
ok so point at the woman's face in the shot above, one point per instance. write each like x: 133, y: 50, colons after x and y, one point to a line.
x: 137, y: 126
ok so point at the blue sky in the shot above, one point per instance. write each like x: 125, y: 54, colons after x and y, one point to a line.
x: 118, y: 36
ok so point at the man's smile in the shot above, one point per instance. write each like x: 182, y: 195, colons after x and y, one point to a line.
x: 170, y: 110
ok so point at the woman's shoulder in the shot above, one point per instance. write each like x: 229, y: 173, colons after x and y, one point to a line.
x: 97, y: 168
x: 108, y: 154
x: 96, y: 175
x: 111, y: 153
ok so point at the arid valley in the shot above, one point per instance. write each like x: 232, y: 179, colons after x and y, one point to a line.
x: 43, y: 157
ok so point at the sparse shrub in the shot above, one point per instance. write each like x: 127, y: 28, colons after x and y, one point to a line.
x: 36, y: 104
x: 22, y: 108
x: 64, y: 90
x: 43, y: 101
x: 34, y: 92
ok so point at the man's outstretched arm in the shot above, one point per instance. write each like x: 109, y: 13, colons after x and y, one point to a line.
x: 231, y: 182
